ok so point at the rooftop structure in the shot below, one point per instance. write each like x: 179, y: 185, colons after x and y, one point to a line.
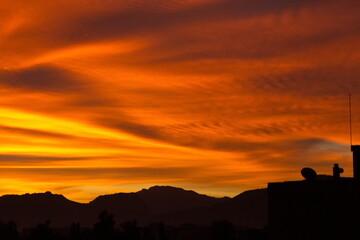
x: 319, y: 207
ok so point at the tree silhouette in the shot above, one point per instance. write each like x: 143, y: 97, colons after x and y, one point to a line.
x: 130, y: 230
x: 162, y: 232
x: 104, y: 228
x: 8, y: 231
x: 147, y: 235
x: 41, y: 232
x: 222, y: 230
x: 75, y: 232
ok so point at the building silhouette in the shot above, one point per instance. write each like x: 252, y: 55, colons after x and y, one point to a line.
x: 319, y: 207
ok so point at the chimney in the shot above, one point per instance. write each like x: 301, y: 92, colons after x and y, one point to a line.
x: 356, y: 160
x: 337, y: 171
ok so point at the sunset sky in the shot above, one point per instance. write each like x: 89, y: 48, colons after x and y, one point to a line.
x: 217, y: 96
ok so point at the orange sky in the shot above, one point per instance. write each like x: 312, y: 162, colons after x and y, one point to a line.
x: 103, y: 96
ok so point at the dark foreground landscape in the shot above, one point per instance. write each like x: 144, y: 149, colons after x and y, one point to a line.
x: 156, y: 213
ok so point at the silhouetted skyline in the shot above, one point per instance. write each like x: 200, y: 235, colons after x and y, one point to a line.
x: 219, y: 96
x: 173, y: 206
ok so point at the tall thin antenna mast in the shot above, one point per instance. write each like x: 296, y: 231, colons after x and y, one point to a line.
x: 350, y: 120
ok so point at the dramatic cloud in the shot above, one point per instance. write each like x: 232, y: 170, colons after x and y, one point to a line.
x: 218, y: 96
x: 40, y: 78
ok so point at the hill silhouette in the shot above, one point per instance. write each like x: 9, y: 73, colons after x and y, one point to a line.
x: 29, y: 209
x: 166, y: 204
x: 164, y: 199
x: 249, y: 209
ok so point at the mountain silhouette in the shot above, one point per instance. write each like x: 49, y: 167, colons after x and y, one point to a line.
x: 29, y: 209
x: 164, y: 199
x: 147, y: 204
x: 166, y: 204
x: 124, y: 206
x: 249, y: 209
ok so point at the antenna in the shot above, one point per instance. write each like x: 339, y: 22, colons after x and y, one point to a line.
x: 350, y: 120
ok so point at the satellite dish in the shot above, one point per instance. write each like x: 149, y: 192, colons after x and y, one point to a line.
x: 308, y: 173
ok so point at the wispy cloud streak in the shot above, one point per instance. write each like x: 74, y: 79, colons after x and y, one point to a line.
x: 215, y: 95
